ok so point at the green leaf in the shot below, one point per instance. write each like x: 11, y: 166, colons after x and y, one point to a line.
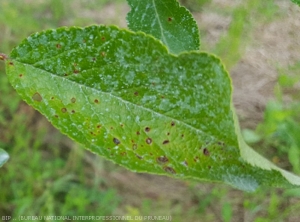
x: 123, y: 96
x: 3, y: 157
x: 296, y: 2
x: 167, y: 21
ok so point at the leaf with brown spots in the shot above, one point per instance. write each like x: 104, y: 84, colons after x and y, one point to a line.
x: 144, y: 132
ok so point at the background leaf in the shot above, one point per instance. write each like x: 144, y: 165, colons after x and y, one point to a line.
x: 3, y: 157
x: 296, y: 2
x: 124, y: 97
x: 166, y: 20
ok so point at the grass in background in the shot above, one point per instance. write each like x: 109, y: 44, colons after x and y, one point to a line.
x: 279, y: 132
x: 48, y: 174
x: 244, y: 18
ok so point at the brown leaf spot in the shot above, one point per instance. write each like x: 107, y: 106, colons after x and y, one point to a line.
x: 138, y: 133
x: 73, y: 111
x: 172, y: 123
x: 64, y: 110
x: 221, y: 143
x: 147, y: 129
x: 205, y: 152
x: 170, y: 19
x: 138, y: 156
x: 76, y: 71
x: 96, y: 101
x: 162, y: 160
x: 73, y: 100
x: 58, y: 46
x: 136, y: 93
x: 21, y: 75
x: 116, y: 141
x: 166, y: 142
x: 169, y: 170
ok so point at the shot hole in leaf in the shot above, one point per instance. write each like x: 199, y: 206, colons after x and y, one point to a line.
x: 148, y: 140
x: 134, y: 146
x: 37, y: 97
x: 162, y: 160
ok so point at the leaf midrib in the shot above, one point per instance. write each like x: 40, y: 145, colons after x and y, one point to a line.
x: 160, y: 25
x: 199, y: 131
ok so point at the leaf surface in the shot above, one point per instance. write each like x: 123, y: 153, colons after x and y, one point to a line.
x: 167, y: 21
x: 123, y: 96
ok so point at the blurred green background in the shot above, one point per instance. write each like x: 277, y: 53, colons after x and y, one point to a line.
x: 48, y: 174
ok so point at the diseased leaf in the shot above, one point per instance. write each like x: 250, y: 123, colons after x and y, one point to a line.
x: 3, y: 157
x: 165, y: 20
x: 124, y: 97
